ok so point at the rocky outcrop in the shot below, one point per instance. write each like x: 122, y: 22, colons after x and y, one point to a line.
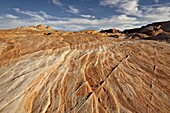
x: 41, y: 27
x: 156, y: 31
x: 114, y: 33
x: 150, y: 28
x: 49, y: 28
x: 82, y: 72
x: 38, y: 27
x: 166, y: 26
x: 110, y: 31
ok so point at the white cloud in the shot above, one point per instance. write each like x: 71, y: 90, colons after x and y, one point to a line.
x: 57, y: 2
x: 41, y: 15
x: 76, y: 11
x: 157, y: 12
x: 11, y: 16
x: 29, y: 13
x: 13, y: 23
x: 87, y: 16
x: 125, y: 18
x: 129, y: 7
x: 45, y: 15
x: 73, y: 10
x: 149, y: 13
x: 109, y: 2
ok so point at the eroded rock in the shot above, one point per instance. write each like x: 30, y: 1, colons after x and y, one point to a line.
x: 82, y: 72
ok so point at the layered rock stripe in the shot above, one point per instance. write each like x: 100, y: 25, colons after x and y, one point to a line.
x: 45, y: 71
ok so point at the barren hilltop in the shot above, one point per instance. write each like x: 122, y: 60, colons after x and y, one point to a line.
x: 50, y: 71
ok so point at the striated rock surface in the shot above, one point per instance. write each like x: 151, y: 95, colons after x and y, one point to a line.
x: 82, y: 72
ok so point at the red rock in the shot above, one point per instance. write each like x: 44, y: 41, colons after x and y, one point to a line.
x: 49, y: 28
x: 41, y: 27
x: 82, y: 72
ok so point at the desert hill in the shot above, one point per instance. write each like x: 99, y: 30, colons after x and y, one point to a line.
x: 51, y: 71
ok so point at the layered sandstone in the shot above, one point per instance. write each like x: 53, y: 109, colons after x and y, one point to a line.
x: 47, y: 71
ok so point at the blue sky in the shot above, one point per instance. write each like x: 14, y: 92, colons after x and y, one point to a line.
x: 74, y: 15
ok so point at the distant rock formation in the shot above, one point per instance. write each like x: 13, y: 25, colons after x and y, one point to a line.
x: 149, y: 29
x: 43, y: 27
x: 114, y: 33
x: 110, y: 31
x: 155, y: 31
x: 38, y: 27
x: 166, y: 26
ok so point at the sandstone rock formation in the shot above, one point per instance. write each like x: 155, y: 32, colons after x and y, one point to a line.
x: 49, y: 28
x: 82, y: 72
x: 41, y: 27
x: 114, y: 33
x: 156, y: 31
x: 110, y: 31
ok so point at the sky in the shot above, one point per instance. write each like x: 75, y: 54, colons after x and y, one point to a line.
x: 75, y: 15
